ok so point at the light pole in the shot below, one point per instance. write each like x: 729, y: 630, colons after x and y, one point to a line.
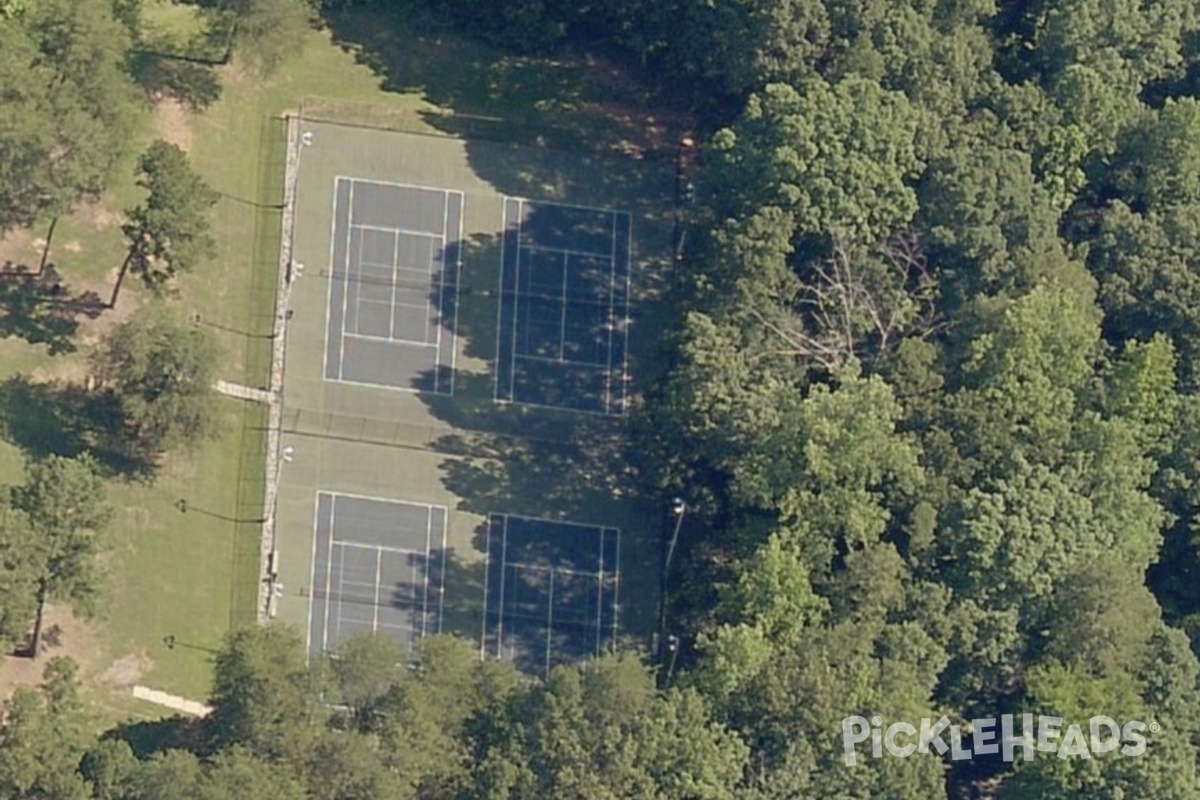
x: 670, y: 643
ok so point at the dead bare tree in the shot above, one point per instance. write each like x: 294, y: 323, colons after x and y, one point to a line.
x: 857, y: 302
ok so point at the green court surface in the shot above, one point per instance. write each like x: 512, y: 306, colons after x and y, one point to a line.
x: 422, y: 266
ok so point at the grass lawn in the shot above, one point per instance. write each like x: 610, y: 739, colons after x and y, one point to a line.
x: 193, y: 575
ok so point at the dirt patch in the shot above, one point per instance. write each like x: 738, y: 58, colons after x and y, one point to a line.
x: 173, y: 123
x: 20, y: 248
x: 64, y: 635
x: 126, y: 671
x: 72, y: 247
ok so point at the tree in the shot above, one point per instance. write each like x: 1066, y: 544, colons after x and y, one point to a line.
x: 169, y: 232
x: 43, y: 737
x: 264, y: 698
x: 70, y: 107
x: 64, y: 501
x: 21, y: 560
x: 161, y: 372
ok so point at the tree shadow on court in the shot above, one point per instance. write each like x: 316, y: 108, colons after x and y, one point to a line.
x: 65, y: 418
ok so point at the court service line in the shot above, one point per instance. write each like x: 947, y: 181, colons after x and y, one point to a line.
x: 401, y: 551
x: 389, y: 340
x: 388, y: 229
x: 568, y: 252
x: 346, y: 281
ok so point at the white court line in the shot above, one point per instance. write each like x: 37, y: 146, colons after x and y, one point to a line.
x: 396, y: 184
x: 612, y: 299
x: 500, y: 296
x: 402, y: 551
x: 562, y: 331
x: 442, y: 581
x: 616, y: 584
x: 328, y: 577
x: 377, y: 498
x: 550, y: 622
x: 597, y: 209
x: 600, y: 595
x: 574, y: 573
x: 625, y: 322
x: 458, y: 247
x: 395, y: 280
x: 425, y: 595
x: 553, y: 521
x: 378, y: 581
x: 500, y: 611
x: 432, y: 311
x: 512, y: 379
x: 312, y: 573
x: 568, y: 361
x: 388, y: 340
x: 386, y: 229
x: 346, y: 281
x: 569, y: 252
x: 329, y: 287
x: 487, y: 569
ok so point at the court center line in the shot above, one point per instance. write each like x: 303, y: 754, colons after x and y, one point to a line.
x: 624, y: 333
x: 534, y: 248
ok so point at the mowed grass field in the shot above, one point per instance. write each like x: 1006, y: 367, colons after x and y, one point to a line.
x: 193, y: 576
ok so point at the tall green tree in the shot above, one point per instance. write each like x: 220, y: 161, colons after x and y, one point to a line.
x: 169, y: 232
x: 161, y: 372
x: 65, y: 502
x: 43, y: 737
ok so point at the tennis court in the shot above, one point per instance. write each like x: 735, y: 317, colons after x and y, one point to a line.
x: 456, y: 360
x: 551, y: 591
x: 378, y: 567
x: 564, y: 307
x: 393, y: 281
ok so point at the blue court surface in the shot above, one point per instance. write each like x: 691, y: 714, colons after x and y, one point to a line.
x: 394, y: 274
x: 551, y: 590
x: 564, y: 307
x: 378, y: 567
